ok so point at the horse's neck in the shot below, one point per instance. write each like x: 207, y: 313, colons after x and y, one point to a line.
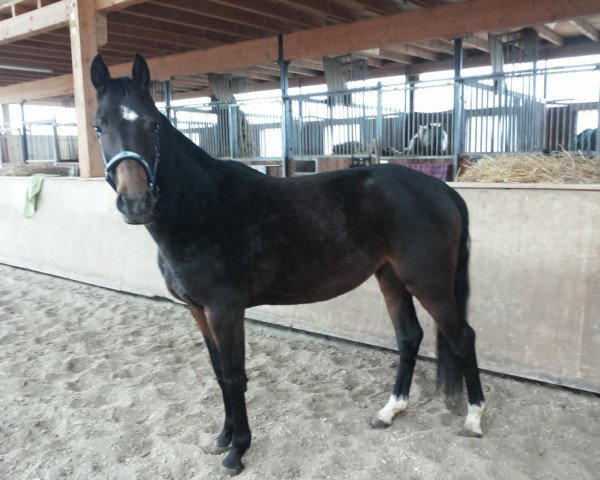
x: 191, y: 184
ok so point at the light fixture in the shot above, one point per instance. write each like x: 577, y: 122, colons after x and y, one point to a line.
x: 25, y: 69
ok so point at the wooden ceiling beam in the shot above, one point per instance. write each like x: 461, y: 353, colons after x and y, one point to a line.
x: 156, y: 11
x: 453, y: 20
x: 587, y: 29
x: 437, y: 45
x: 327, y: 9
x: 475, y: 41
x: 106, y: 6
x: 276, y: 11
x: 549, y: 34
x: 20, y: 60
x: 119, y: 26
x: 35, y: 22
x: 387, y: 54
x: 415, y: 51
x: 232, y: 15
x: 49, y: 16
x: 450, y: 21
x: 157, y: 24
x: 380, y: 7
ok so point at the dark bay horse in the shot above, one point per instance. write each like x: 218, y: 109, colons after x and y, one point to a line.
x: 230, y: 238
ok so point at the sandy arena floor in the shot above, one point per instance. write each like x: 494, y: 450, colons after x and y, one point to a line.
x: 96, y: 384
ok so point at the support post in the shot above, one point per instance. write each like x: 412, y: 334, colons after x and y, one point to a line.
x: 82, y: 28
x: 233, y: 130
x: 597, y: 149
x: 411, y: 125
x: 286, y: 117
x: 55, y: 145
x: 458, y: 134
x: 24, y: 153
x: 379, y: 120
x: 168, y: 89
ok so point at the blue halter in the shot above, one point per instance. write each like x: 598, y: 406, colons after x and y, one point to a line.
x: 110, y: 165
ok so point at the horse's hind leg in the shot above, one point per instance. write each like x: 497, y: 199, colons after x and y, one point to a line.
x: 408, y: 335
x: 457, y: 357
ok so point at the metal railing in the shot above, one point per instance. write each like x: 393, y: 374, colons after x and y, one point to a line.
x: 512, y: 112
x: 36, y: 142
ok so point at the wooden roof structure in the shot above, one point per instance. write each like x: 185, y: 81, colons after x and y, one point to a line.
x: 46, y: 46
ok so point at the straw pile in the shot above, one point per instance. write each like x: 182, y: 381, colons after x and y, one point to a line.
x: 557, y: 167
x: 8, y: 170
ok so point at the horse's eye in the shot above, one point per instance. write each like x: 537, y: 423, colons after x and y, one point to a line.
x: 98, y: 130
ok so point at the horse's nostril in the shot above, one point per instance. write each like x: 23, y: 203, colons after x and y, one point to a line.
x: 121, y: 203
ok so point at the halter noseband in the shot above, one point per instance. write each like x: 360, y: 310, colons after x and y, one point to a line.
x: 110, y: 165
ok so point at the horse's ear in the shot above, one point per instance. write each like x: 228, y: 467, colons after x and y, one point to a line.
x: 140, y: 71
x: 99, y: 73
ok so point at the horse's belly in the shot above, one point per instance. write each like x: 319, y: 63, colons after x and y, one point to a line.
x: 314, y: 285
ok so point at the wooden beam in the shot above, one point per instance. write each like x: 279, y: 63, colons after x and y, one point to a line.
x: 415, y: 51
x: 325, y: 8
x: 388, y: 54
x: 198, y: 22
x: 233, y: 16
x: 82, y: 26
x: 453, y: 20
x: 106, y: 6
x: 218, y: 59
x: 49, y: 17
x: 549, y: 34
x: 101, y: 29
x: 31, y: 23
x: 437, y: 45
x: 587, y: 29
x: 276, y: 11
x: 476, y: 42
x: 450, y: 21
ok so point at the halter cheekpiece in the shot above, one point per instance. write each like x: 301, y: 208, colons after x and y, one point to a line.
x: 110, y: 165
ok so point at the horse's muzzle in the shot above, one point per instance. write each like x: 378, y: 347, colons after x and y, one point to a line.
x: 136, y: 211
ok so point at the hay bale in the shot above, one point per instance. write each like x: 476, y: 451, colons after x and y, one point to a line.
x: 557, y: 167
x: 9, y: 170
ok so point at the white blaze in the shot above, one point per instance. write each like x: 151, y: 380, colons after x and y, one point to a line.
x: 128, y: 114
x: 394, y: 406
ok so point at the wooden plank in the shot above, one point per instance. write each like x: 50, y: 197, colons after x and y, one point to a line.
x: 106, y: 6
x: 234, y: 16
x: 587, y: 29
x: 37, y: 89
x: 198, y: 22
x: 276, y: 11
x: 82, y: 26
x: 450, y: 21
x: 457, y: 20
x: 549, y: 34
x: 101, y: 30
x: 37, y: 21
x: 218, y: 59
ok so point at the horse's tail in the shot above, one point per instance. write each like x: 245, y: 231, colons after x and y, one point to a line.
x: 449, y: 370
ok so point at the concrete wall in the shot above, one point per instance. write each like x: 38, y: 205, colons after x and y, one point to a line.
x: 535, y: 271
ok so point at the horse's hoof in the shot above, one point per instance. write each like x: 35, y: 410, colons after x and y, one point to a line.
x: 379, y: 424
x: 217, y: 449
x: 469, y: 434
x: 231, y: 471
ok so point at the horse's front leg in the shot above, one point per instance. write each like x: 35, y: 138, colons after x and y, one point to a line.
x: 223, y: 441
x: 227, y: 328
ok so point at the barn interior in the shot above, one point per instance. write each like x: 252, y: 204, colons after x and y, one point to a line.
x: 219, y: 48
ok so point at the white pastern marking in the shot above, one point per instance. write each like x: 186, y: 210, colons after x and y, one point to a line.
x: 473, y: 421
x: 394, y: 406
x: 128, y: 114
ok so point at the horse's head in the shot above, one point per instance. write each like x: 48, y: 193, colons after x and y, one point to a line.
x: 127, y: 123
